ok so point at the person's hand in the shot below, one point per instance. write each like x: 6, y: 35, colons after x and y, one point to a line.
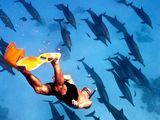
x: 75, y: 103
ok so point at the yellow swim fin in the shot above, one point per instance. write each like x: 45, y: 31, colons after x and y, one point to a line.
x: 32, y: 63
x: 12, y: 54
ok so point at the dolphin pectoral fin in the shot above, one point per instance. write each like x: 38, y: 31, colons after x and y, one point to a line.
x: 64, y: 44
x: 2, y: 69
x: 66, y: 22
x: 100, y: 100
x: 122, y: 97
x: 118, y: 31
x: 32, y: 18
x: 134, y: 59
x: 96, y: 39
x: 94, y: 83
x: 130, y: 53
x: 143, y: 22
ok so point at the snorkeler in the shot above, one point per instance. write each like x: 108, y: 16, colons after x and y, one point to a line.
x: 62, y: 86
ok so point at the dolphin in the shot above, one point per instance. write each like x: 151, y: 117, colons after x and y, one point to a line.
x: 133, y: 47
x: 68, y: 14
x: 99, y: 24
x: 144, y: 81
x: 92, y: 115
x: 3, y: 46
x: 119, y: 70
x: 125, y: 67
x: 31, y: 10
x: 123, y: 88
x: 65, y: 34
x: 71, y: 114
x: 96, y: 31
x: 56, y: 115
x: 117, y: 114
x: 142, y: 14
x: 6, y: 20
x: 5, y: 65
x: 116, y: 23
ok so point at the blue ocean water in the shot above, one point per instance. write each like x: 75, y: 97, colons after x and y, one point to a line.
x: 18, y: 101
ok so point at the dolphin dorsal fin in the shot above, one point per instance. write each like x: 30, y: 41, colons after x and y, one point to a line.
x: 115, y: 18
x: 141, y: 8
x: 121, y: 111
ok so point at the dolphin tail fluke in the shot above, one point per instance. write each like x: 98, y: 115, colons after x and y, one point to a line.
x: 59, y: 20
x: 84, y: 19
x: 110, y: 70
x: 81, y: 60
x: 90, y: 114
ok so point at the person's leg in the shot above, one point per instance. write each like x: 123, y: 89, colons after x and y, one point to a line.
x: 34, y: 82
x: 59, y: 79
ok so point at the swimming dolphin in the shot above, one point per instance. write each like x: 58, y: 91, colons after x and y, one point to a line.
x: 92, y: 115
x: 117, y: 114
x: 6, y: 20
x: 144, y: 81
x: 68, y: 14
x: 125, y: 67
x: 119, y: 70
x: 140, y: 12
x: 3, y: 46
x: 123, y: 88
x: 32, y: 10
x: 56, y: 115
x: 133, y: 47
x: 5, y: 65
x: 116, y: 23
x: 97, y: 33
x: 71, y: 114
x: 65, y: 34
x: 99, y: 24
